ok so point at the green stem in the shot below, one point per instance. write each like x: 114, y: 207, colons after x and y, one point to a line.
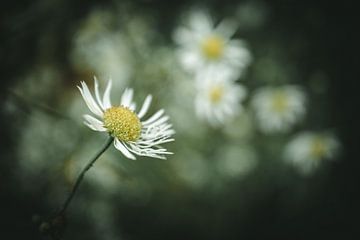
x: 82, y: 174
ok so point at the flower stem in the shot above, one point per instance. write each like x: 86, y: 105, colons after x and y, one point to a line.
x: 82, y: 174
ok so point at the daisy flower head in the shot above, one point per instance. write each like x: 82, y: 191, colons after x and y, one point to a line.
x: 277, y: 109
x: 202, y: 45
x: 306, y: 150
x: 218, y: 97
x: 132, y: 135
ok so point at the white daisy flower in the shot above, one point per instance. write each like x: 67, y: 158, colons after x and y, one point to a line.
x: 202, y: 45
x: 131, y: 134
x: 307, y: 150
x: 218, y: 97
x: 278, y: 108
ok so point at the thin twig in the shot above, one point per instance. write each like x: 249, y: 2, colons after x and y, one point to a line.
x: 28, y: 103
x: 81, y: 175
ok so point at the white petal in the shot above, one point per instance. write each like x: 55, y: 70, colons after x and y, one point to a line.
x: 190, y: 59
x: 145, y: 106
x: 89, y: 100
x: 154, y: 117
x: 106, y: 97
x: 226, y: 28
x: 123, y: 96
x: 132, y: 106
x: 201, y: 22
x: 159, y: 121
x: 94, y: 124
x: 183, y: 36
x: 147, y: 152
x: 126, y: 98
x: 97, y: 94
x: 118, y: 145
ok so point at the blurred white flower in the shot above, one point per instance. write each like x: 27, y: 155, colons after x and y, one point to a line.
x: 101, y: 50
x: 131, y: 135
x: 307, y: 150
x: 278, y: 108
x: 218, y: 97
x: 235, y: 161
x: 202, y: 45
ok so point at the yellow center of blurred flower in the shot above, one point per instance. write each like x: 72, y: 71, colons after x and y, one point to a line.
x: 216, y: 93
x: 213, y: 47
x: 318, y: 148
x: 279, y: 102
x: 122, y: 123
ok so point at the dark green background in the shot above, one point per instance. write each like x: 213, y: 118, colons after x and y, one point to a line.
x: 317, y: 35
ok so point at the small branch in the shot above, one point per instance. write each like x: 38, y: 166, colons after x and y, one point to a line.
x: 26, y: 104
x: 82, y: 174
x: 54, y: 226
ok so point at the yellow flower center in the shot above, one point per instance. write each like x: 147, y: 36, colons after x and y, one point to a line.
x: 122, y: 123
x: 318, y: 148
x: 216, y: 93
x: 213, y: 47
x: 279, y: 102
